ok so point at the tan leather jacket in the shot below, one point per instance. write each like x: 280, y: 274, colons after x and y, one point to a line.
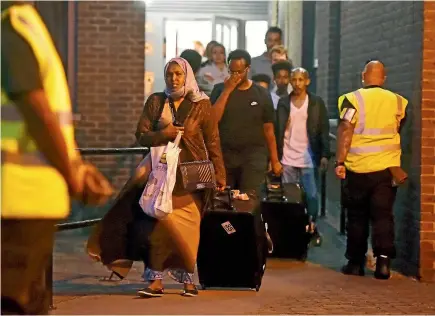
x: 200, y: 127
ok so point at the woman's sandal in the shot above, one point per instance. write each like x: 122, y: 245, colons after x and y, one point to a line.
x: 148, y: 292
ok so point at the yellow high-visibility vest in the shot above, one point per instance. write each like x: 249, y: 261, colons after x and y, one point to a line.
x: 31, y: 187
x: 376, y: 139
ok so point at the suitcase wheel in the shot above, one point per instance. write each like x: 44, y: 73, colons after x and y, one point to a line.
x: 257, y: 288
x: 203, y: 287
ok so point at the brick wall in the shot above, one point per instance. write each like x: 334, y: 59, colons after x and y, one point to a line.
x: 110, y: 79
x: 391, y: 31
x: 427, y: 231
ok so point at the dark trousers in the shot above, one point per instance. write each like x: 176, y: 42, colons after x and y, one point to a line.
x: 369, y: 199
x: 246, y: 170
x: 26, y: 247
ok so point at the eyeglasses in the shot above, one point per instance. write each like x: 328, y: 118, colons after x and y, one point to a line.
x: 240, y: 72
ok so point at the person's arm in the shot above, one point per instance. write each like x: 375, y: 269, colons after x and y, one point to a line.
x: 269, y: 129
x: 348, y: 117
x: 22, y: 83
x: 146, y: 134
x: 204, y: 85
x: 324, y: 130
x: 279, y: 112
x: 213, y: 142
x: 219, y: 98
x: 221, y: 93
x: 269, y: 134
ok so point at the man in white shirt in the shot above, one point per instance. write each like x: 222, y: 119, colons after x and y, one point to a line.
x: 303, y: 140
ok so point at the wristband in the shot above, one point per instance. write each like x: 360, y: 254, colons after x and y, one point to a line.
x: 339, y: 163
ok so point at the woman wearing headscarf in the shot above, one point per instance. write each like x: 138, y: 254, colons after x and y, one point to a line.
x: 173, y: 242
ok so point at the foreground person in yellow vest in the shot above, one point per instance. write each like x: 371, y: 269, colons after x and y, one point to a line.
x: 40, y: 168
x: 368, y: 159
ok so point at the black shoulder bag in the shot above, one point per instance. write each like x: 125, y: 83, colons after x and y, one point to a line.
x: 195, y: 175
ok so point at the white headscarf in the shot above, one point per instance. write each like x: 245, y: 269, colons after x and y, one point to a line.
x: 190, y: 88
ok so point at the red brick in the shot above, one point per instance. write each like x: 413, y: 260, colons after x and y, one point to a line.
x: 428, y: 189
x: 427, y: 227
x: 427, y: 246
x: 428, y: 236
x: 428, y: 170
x: 427, y: 132
x: 428, y: 209
x: 427, y: 178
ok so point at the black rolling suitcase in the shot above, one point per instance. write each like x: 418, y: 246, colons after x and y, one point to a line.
x: 233, y: 249
x: 284, y: 210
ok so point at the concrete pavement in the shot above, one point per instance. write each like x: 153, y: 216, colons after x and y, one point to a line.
x: 314, y: 287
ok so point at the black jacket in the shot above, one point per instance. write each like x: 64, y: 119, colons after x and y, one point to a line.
x: 317, y: 126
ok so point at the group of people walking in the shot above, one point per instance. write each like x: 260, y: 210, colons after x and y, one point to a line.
x: 243, y: 132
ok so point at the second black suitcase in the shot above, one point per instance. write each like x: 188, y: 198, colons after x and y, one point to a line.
x: 233, y: 249
x: 284, y: 211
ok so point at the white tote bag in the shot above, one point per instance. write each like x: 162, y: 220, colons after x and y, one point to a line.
x: 156, y: 198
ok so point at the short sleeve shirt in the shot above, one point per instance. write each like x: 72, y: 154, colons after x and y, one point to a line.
x: 246, y: 112
x: 347, y: 110
x: 19, y: 67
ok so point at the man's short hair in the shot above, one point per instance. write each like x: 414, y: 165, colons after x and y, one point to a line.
x: 373, y: 59
x: 282, y: 65
x: 193, y: 58
x: 274, y: 29
x: 302, y: 71
x: 240, y: 54
x: 262, y: 78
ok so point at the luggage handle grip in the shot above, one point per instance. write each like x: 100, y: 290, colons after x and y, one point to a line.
x: 281, y: 186
x: 230, y: 203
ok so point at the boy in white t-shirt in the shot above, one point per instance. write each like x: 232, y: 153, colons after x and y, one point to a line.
x: 303, y: 140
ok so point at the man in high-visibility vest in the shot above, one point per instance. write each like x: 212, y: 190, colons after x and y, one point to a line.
x: 40, y: 168
x: 368, y: 159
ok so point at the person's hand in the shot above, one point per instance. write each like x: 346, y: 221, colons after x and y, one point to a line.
x: 340, y: 172
x: 75, y: 179
x: 208, y: 77
x: 323, y: 164
x: 277, y: 168
x: 93, y: 187
x: 232, y: 82
x: 220, y: 188
x: 171, y: 131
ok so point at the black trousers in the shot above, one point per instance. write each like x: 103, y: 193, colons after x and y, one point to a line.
x: 369, y: 199
x: 245, y: 170
x: 26, y: 248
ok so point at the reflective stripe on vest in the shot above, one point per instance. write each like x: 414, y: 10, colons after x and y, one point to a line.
x: 374, y: 149
x: 24, y: 159
x: 360, y: 128
x: 9, y: 113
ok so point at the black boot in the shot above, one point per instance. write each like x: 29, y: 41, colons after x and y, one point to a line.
x: 382, y: 271
x: 352, y: 268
